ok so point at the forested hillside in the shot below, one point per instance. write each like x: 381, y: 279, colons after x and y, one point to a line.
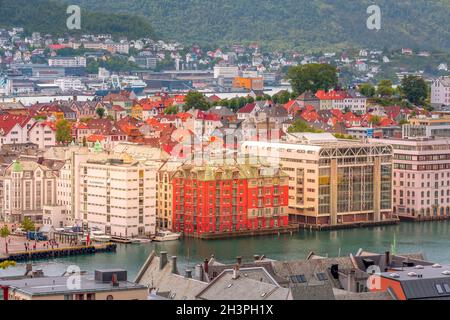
x: 306, y: 24
x: 48, y: 16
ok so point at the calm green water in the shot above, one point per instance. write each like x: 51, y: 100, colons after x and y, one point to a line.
x: 430, y: 238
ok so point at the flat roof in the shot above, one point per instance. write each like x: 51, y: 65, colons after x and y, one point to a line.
x: 49, y: 286
x: 427, y: 272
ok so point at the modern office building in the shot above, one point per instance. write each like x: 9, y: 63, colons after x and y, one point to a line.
x: 332, y: 182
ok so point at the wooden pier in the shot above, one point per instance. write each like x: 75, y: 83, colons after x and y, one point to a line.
x: 353, y: 225
x: 291, y: 229
x: 59, y: 253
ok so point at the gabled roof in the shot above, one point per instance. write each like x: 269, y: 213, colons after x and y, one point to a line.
x: 331, y: 95
x: 9, y: 121
x: 248, y: 108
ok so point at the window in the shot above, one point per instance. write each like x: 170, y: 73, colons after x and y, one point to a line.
x: 321, y: 276
x: 298, y: 279
x: 447, y: 288
x: 110, y: 297
x: 439, y: 289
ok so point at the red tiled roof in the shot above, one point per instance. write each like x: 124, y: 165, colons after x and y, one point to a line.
x: 247, y: 108
x: 331, y: 95
x: 207, y: 116
x: 9, y: 121
x: 95, y: 138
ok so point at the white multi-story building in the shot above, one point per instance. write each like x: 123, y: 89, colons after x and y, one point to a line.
x: 118, y: 196
x: 440, y: 92
x: 14, y: 129
x: 42, y: 134
x: 226, y: 72
x: 421, y: 177
x: 70, y: 84
x: 67, y: 62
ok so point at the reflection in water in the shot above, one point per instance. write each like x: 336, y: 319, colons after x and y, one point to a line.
x: 431, y: 238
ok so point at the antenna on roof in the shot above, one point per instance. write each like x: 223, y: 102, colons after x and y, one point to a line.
x: 394, y: 245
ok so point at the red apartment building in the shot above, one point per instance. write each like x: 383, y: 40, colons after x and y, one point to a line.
x: 229, y: 199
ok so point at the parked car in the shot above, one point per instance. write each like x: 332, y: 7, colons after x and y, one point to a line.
x: 39, y: 236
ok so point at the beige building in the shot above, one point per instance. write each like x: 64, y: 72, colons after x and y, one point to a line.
x: 27, y: 187
x: 164, y: 201
x: 332, y: 182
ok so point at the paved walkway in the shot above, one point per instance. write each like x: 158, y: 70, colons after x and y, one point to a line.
x: 17, y: 244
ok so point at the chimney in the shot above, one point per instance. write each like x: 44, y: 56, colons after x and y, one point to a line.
x: 162, y: 260
x: 206, y: 265
x: 29, y: 269
x: 189, y: 274
x: 388, y: 259
x: 351, y: 281
x: 239, y: 260
x: 174, y: 265
x: 235, y: 272
x: 198, y: 274
x: 114, y: 281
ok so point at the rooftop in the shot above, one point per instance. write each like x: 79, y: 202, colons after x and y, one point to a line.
x: 58, y: 285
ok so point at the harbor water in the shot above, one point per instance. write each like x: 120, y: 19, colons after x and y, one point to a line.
x: 430, y: 238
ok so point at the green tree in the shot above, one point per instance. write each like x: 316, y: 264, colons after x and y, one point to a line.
x: 28, y: 225
x: 415, y: 89
x: 7, y: 264
x: 196, y: 100
x: 171, y: 110
x: 284, y: 97
x: 100, y: 112
x: 4, y: 233
x: 312, y: 77
x: 367, y: 90
x: 302, y: 126
x: 63, y: 131
x: 375, y: 120
x: 385, y: 88
x: 242, y: 102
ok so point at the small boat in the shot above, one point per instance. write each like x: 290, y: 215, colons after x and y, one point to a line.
x: 99, y: 236
x: 140, y: 241
x: 163, y: 236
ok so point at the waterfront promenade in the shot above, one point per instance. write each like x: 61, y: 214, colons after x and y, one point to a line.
x: 16, y: 244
